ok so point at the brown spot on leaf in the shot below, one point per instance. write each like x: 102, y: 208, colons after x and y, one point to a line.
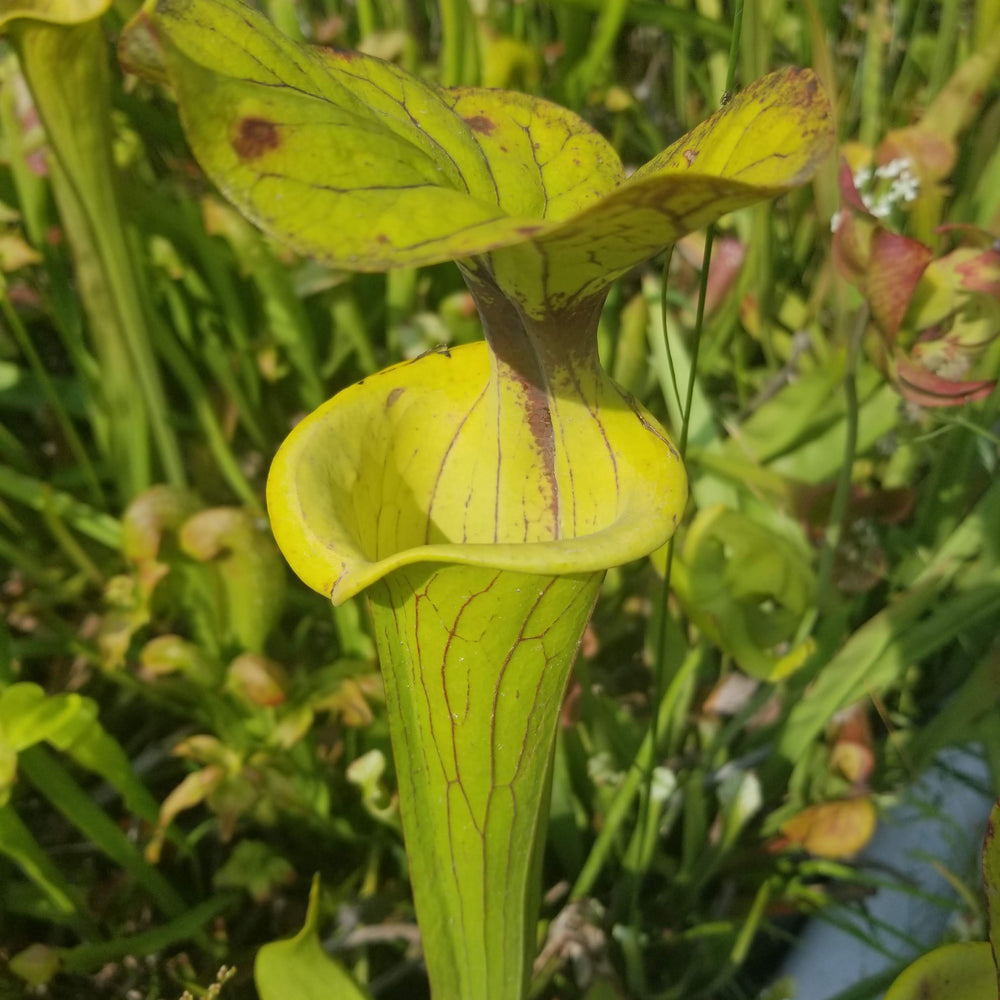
x: 393, y: 396
x: 810, y: 85
x: 481, y: 124
x: 256, y: 136
x: 690, y: 155
x: 381, y: 238
x: 528, y: 230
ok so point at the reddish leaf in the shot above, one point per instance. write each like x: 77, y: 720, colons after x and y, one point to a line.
x: 982, y: 273
x: 852, y: 248
x: 928, y: 389
x: 258, y: 679
x: 727, y: 258
x: 848, y: 192
x: 852, y: 232
x: 894, y: 271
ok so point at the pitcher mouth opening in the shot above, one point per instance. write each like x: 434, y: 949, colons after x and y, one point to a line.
x: 402, y: 468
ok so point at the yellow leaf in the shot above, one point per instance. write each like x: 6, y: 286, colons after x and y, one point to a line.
x: 832, y: 829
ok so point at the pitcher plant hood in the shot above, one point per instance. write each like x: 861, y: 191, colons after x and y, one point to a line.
x: 356, y: 162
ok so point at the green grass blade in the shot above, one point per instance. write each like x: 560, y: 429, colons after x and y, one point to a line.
x: 41, y: 497
x: 52, y: 396
x: 66, y: 69
x: 56, y: 784
x: 18, y: 844
x: 592, y: 68
x: 89, y: 957
x: 674, y: 19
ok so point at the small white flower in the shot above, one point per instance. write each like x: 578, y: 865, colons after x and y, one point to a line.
x: 894, y: 168
x: 906, y: 187
x: 863, y: 176
x: 903, y: 187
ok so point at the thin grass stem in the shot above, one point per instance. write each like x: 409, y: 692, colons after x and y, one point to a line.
x: 228, y: 464
x: 459, y: 45
x: 872, y: 72
x: 659, y: 679
x: 944, y: 45
x: 52, y: 396
x: 838, y: 509
x: 41, y: 497
x: 49, y: 776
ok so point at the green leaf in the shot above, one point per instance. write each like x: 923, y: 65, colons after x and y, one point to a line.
x: 40, y: 496
x: 69, y: 723
x: 36, y: 964
x: 967, y: 706
x: 241, y: 556
x: 952, y: 972
x: 18, y: 844
x: 52, y: 11
x: 746, y: 587
x: 299, y: 969
x: 28, y: 716
x: 189, y: 924
x: 914, y: 624
x: 255, y: 867
x: 800, y: 411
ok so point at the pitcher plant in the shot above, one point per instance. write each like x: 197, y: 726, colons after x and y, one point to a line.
x: 476, y: 495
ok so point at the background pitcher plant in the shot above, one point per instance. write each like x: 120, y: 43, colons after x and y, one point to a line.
x: 477, y: 494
